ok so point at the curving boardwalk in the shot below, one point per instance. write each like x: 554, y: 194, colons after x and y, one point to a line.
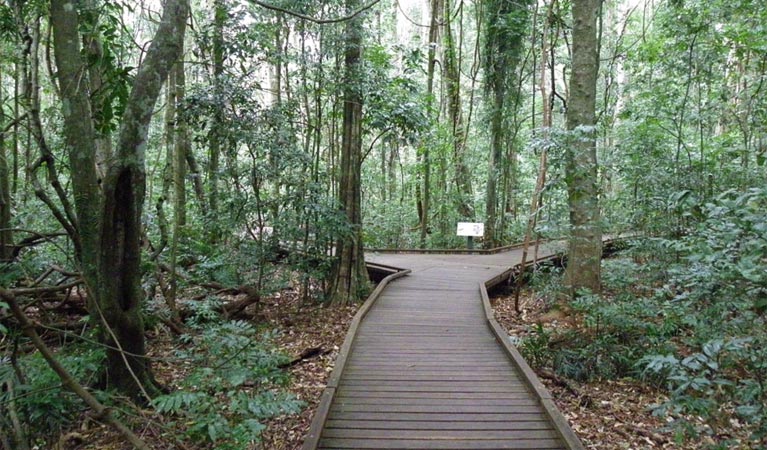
x: 424, y: 370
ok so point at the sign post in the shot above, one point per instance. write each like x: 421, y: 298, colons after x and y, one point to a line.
x: 470, y: 230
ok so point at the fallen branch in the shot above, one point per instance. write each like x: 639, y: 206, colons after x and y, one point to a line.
x: 655, y: 437
x: 101, y: 411
x: 233, y: 309
x: 44, y: 290
x: 309, y: 353
x: 35, y: 239
x: 584, y: 399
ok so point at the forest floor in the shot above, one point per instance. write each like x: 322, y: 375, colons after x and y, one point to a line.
x: 606, y: 415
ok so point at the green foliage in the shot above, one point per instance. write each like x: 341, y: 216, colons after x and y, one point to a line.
x: 535, y: 348
x: 686, y: 314
x: 719, y: 288
x: 103, y: 30
x: 42, y: 404
x: 233, y: 386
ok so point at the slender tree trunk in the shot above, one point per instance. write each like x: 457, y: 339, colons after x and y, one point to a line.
x: 6, y: 236
x: 215, y: 136
x: 16, y: 127
x: 109, y: 219
x: 503, y: 46
x: 585, y: 252
x: 436, y: 18
x: 464, y: 190
x: 182, y: 147
x: 350, y: 280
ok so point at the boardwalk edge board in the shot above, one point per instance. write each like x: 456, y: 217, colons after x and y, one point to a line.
x: 323, y: 409
x: 529, y: 377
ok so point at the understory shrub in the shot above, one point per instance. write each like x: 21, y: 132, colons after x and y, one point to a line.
x: 31, y: 393
x: 234, y: 385
x: 687, y: 315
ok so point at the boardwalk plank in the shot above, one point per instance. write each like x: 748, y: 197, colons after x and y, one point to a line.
x: 437, y: 435
x: 440, y: 417
x: 446, y: 425
x: 454, y: 408
x: 458, y: 444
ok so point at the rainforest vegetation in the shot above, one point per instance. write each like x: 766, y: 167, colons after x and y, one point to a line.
x: 171, y: 171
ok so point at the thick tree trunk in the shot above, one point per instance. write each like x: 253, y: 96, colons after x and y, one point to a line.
x: 585, y: 252
x: 109, y: 219
x: 350, y: 280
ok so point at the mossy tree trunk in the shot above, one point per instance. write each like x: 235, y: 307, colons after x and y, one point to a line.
x: 109, y: 209
x: 505, y: 28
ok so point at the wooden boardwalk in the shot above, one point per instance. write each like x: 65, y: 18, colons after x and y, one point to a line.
x: 426, y: 367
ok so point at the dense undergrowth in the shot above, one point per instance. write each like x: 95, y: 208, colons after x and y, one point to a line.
x: 686, y: 314
x: 226, y: 382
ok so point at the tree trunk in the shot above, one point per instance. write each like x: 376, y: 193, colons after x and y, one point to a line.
x: 182, y: 147
x: 436, y: 18
x: 585, y: 252
x: 109, y: 219
x: 350, y: 280
x: 503, y: 45
x: 215, y: 137
x: 6, y: 236
x: 464, y: 190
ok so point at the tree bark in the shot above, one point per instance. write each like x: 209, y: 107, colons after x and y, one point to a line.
x: 503, y: 44
x: 215, y: 136
x: 182, y: 147
x: 350, y: 278
x: 109, y: 219
x: 462, y: 175
x: 585, y: 252
x: 6, y: 235
x: 434, y: 24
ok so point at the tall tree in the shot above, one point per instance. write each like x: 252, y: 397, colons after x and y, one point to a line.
x: 462, y: 175
x: 350, y: 277
x: 506, y: 26
x: 109, y: 209
x: 6, y: 237
x: 216, y: 137
x: 585, y: 252
x: 436, y: 18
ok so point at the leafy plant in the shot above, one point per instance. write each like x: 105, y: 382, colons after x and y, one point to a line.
x: 37, y: 396
x: 535, y: 347
x: 233, y: 387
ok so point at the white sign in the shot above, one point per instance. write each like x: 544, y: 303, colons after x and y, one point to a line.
x: 470, y: 229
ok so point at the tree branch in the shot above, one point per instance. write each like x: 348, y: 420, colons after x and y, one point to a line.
x: 312, y: 19
x: 102, y: 412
